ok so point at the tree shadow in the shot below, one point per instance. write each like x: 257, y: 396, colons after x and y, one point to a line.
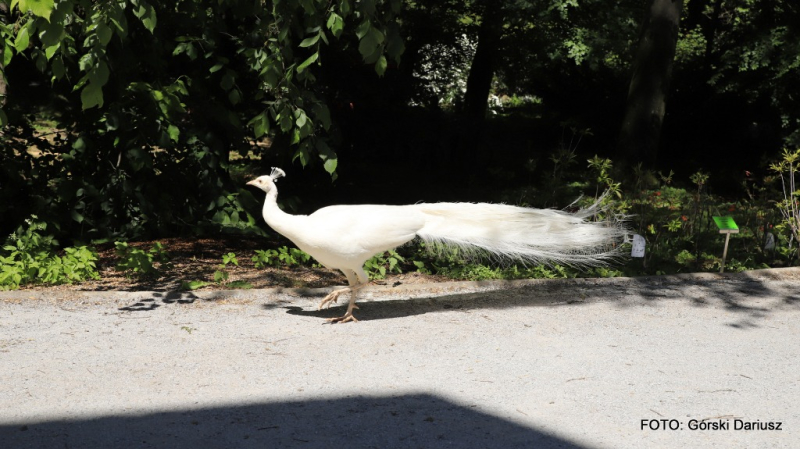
x: 152, y: 303
x: 402, y: 421
x: 747, y: 296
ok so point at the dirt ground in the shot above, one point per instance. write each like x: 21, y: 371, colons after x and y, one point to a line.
x: 196, y: 259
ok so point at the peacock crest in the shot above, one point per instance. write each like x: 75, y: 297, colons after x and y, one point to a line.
x: 276, y: 173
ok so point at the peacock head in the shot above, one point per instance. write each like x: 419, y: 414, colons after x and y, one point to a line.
x: 267, y: 182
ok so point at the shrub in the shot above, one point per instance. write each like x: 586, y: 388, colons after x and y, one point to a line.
x: 140, y: 263
x: 281, y: 256
x: 30, y: 258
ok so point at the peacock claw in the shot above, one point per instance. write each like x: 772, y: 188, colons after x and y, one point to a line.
x: 332, y: 297
x: 344, y: 318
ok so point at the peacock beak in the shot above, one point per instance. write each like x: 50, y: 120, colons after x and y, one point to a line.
x: 251, y: 183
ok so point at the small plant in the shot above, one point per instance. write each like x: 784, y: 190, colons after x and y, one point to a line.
x: 265, y: 258
x: 602, y: 168
x: 282, y: 256
x: 421, y: 267
x: 674, y: 225
x: 193, y: 285
x: 685, y: 258
x: 140, y: 263
x: 30, y: 258
x: 380, y: 264
x: 221, y: 276
x: 789, y: 207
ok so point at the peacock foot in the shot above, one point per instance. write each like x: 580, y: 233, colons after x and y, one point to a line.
x: 344, y: 318
x: 331, y: 298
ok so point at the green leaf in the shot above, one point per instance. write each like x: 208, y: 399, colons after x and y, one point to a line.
x: 296, y: 136
x: 395, y: 46
x: 240, y: 284
x: 271, y: 75
x: 309, y: 41
x: 322, y: 115
x: 344, y: 7
x: 311, y: 59
x: 23, y: 38
x: 50, y: 51
x: 234, y: 96
x: 104, y: 34
x: 57, y: 66
x: 121, y: 23
x: 308, y: 5
x: 335, y: 24
x: 380, y: 66
x: 8, y: 53
x: 220, y: 276
x: 40, y: 60
x: 51, y: 34
x: 330, y: 165
x: 40, y: 8
x: 285, y: 121
x: 193, y: 285
x: 262, y: 127
x: 301, y: 154
x: 327, y: 155
x: 369, y: 46
x: 228, y: 80
x: 91, y: 96
x: 302, y: 119
x: 147, y: 14
x: 174, y: 132
x: 363, y: 29
x: 86, y: 62
x: 3, y: 118
x: 76, y: 216
x: 99, y: 75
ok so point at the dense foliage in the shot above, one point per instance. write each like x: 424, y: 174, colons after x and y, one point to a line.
x: 132, y: 119
x: 148, y: 100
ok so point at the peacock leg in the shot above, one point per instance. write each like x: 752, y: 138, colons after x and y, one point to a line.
x: 357, y: 281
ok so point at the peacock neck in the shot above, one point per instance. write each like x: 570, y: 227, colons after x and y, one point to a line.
x: 275, y: 217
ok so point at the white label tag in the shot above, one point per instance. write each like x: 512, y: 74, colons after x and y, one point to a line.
x: 637, y: 249
x: 770, y: 244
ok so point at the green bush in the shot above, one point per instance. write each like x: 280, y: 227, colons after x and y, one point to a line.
x: 281, y: 256
x: 221, y: 276
x: 29, y: 257
x: 380, y: 264
x: 141, y: 263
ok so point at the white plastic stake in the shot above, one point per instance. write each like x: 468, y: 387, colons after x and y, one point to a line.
x: 637, y: 246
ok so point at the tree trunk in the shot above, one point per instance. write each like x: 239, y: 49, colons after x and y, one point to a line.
x: 3, y: 85
x: 481, y: 72
x: 652, y: 69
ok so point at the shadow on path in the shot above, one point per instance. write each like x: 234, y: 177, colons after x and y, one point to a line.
x: 413, y: 420
x: 747, y: 298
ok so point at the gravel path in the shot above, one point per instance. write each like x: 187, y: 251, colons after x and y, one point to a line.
x: 565, y: 363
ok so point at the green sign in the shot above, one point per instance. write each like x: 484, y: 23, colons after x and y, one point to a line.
x: 726, y: 224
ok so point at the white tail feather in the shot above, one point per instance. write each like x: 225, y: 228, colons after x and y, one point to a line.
x: 536, y: 236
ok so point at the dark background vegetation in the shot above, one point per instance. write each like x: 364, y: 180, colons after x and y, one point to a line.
x: 141, y: 120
